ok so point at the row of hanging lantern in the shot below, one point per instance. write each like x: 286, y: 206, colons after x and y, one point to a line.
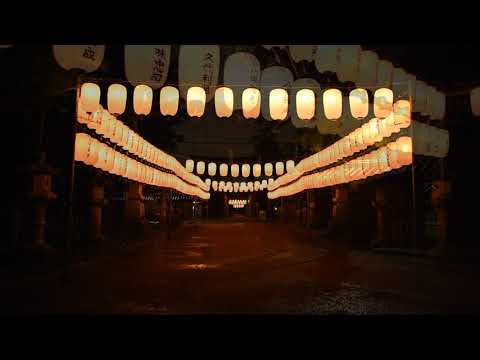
x: 237, y: 202
x: 373, y: 131
x: 243, y: 186
x: 236, y: 169
x: 363, y: 67
x: 238, y: 206
x: 95, y: 117
x: 394, y: 155
x: 95, y: 153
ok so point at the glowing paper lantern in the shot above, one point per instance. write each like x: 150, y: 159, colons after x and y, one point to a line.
x: 404, y: 149
x: 402, y: 114
x: 117, y: 98
x: 383, y: 103
x: 245, y: 170
x: 147, y: 64
x: 196, y: 98
x: 384, y: 74
x: 90, y: 97
x: 290, y: 166
x: 271, y: 78
x: 242, y: 70
x: 279, y: 168
x: 199, y: 65
x: 224, y: 102
x: 223, y: 169
x: 367, y: 69
x: 332, y: 104
x: 82, y: 146
x: 302, y: 52
x: 169, y: 97
x: 475, y: 101
x: 257, y: 170
x: 358, y: 100
x: 236, y: 186
x: 278, y: 104
x: 212, y: 169
x: 348, y: 62
x: 214, y: 185
x: 251, y: 103
x: 268, y: 167
x: 305, y: 104
x: 235, y: 170
x: 142, y: 99
x: 208, y: 182
x: 85, y: 57
x: 189, y: 165
x: 326, y: 58
x: 200, y: 167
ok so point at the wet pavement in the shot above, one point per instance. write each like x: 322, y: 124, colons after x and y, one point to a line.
x: 239, y: 266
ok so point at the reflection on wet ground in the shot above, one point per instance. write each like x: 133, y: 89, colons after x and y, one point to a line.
x: 243, y: 267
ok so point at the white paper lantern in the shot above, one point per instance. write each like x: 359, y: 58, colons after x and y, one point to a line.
x: 297, y: 86
x: 290, y: 166
x: 189, y: 165
x: 241, y: 71
x: 84, y: 57
x: 279, y: 168
x: 245, y: 170
x: 200, y: 167
x: 215, y: 185
x: 142, y: 99
x: 212, y: 169
x: 147, y: 64
x: 116, y: 99
x: 251, y: 103
x: 348, y: 62
x: 198, y: 65
x: 224, y: 102
x: 235, y: 170
x: 358, y: 100
x: 332, y: 104
x: 402, y: 113
x: 257, y: 170
x: 196, y: 99
x: 223, y: 169
x: 326, y: 58
x: 271, y: 78
x: 169, y: 98
x: 268, y: 168
x: 383, y: 102
x: 305, y: 104
x: 90, y: 97
x: 278, y: 104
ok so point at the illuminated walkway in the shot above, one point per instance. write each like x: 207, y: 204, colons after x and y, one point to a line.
x: 241, y: 266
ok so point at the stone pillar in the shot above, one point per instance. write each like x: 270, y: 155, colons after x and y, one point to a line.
x: 97, y: 201
x: 440, y: 197
x: 135, y: 209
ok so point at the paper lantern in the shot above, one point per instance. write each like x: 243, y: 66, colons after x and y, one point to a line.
x: 268, y: 169
x: 348, y: 62
x: 116, y: 98
x: 212, y: 169
x: 242, y: 70
x: 235, y: 186
x: 290, y: 166
x: 475, y: 101
x: 250, y: 186
x: 223, y: 169
x: 402, y: 114
x: 208, y: 182
x: 169, y: 97
x: 412, y: 87
x: 404, y: 149
x: 278, y: 104
x: 257, y: 170
x: 82, y: 146
x: 224, y: 102
x: 383, y: 103
x: 375, y: 130
x: 367, y: 69
x: 251, y: 103
x: 85, y: 57
x: 384, y: 74
x: 271, y: 78
x: 392, y: 152
x: 196, y: 98
x: 302, y: 52
x: 198, y: 65
x: 142, y: 99
x: 200, y: 167
x: 235, y: 170
x: 90, y: 97
x: 326, y: 58
x: 305, y: 104
x: 332, y: 104
x: 314, y: 105
x: 245, y: 170
x: 358, y: 100
x: 147, y: 64
x: 189, y: 165
x: 279, y: 168
x: 214, y: 185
